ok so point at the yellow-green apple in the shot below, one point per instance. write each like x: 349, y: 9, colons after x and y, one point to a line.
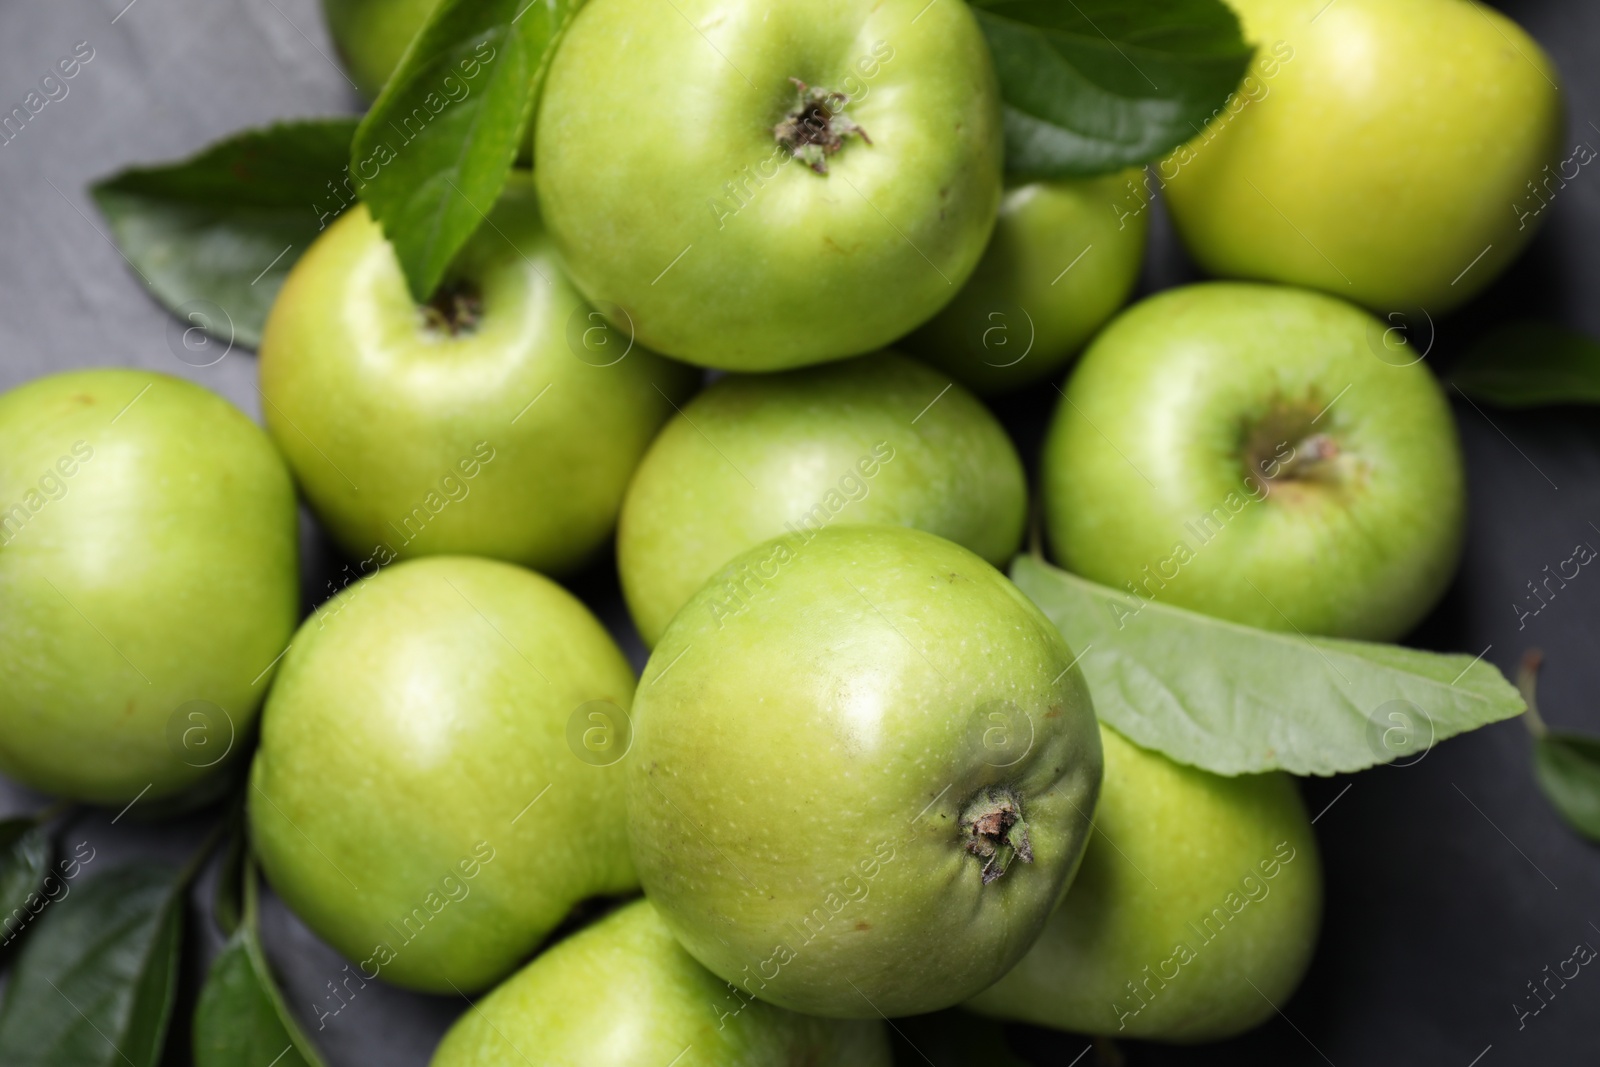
x: 827, y: 179
x: 503, y: 420
x: 415, y: 799
x: 149, y: 581
x: 863, y: 771
x: 1262, y: 454
x: 1063, y: 258
x: 1397, y: 153
x: 624, y: 993
x: 879, y: 439
x: 1196, y: 909
x: 372, y: 35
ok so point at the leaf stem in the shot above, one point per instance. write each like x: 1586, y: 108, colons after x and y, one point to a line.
x: 1527, y: 685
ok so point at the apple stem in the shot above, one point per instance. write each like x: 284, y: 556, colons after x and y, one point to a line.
x: 455, y: 309
x: 817, y: 127
x: 995, y: 830
x: 1308, y: 455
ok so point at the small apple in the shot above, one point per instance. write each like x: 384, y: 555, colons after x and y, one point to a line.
x: 1196, y: 909
x: 879, y: 439
x: 761, y: 184
x: 372, y: 35
x: 624, y: 993
x: 1398, y: 153
x: 863, y: 769
x: 503, y: 421
x: 1242, y: 450
x: 148, y: 577
x: 415, y: 799
x: 1063, y: 258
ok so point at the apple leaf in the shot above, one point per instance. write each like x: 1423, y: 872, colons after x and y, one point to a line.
x: 94, y: 984
x: 24, y: 860
x: 215, y: 235
x: 433, y: 154
x: 241, y: 1016
x: 1567, y: 768
x: 1093, y: 86
x: 1531, y: 364
x: 1232, y: 699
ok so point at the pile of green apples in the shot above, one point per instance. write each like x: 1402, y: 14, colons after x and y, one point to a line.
x: 861, y: 776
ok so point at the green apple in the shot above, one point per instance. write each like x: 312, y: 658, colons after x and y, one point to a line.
x: 762, y: 184
x: 1397, y: 153
x: 863, y: 771
x: 415, y: 799
x: 148, y: 578
x: 372, y: 35
x: 1196, y: 909
x: 503, y: 421
x: 1261, y: 454
x: 879, y: 439
x: 624, y: 993
x: 1063, y: 258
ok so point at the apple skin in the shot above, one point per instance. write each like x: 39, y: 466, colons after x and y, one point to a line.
x: 1157, y: 455
x: 804, y: 765
x: 372, y: 35
x: 148, y: 558
x: 623, y: 992
x: 871, y: 440
x: 416, y: 718
x: 385, y: 419
x: 1172, y: 843
x: 723, y: 249
x: 1388, y: 151
x: 1024, y: 313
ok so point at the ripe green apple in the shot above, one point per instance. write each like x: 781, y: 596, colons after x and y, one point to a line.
x: 1262, y: 454
x: 372, y: 35
x: 863, y: 771
x: 1196, y: 909
x: 762, y: 184
x: 624, y: 993
x: 148, y: 579
x: 1396, y: 153
x: 503, y: 422
x: 414, y: 798
x: 1063, y: 258
x: 879, y: 439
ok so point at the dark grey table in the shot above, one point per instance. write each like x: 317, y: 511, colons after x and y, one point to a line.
x: 1451, y: 884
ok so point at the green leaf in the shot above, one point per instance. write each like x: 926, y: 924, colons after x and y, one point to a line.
x: 215, y: 235
x: 433, y: 154
x: 24, y: 860
x: 94, y: 985
x: 241, y: 1017
x: 1530, y: 364
x: 1567, y: 768
x: 1093, y: 86
x: 1232, y: 699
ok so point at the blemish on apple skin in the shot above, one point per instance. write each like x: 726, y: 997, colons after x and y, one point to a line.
x: 1054, y: 712
x: 85, y: 399
x: 130, y: 708
x: 863, y: 926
